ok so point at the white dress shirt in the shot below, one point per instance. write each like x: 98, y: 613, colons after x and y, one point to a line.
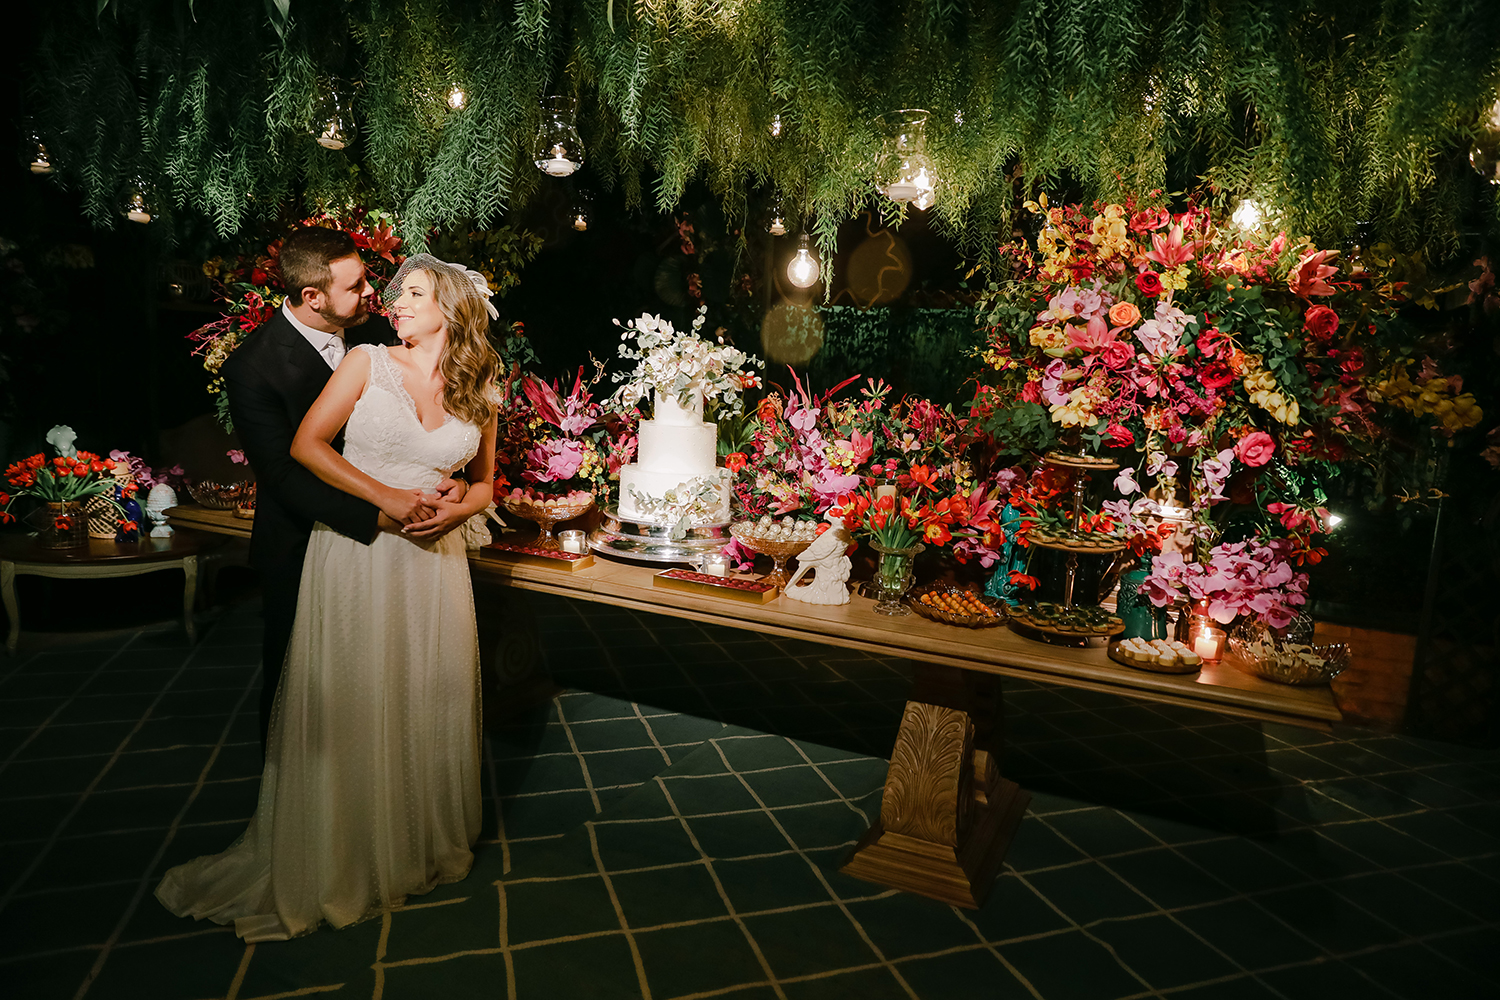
x: 330, y: 345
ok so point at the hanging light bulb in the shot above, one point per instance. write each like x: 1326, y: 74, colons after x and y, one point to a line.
x: 333, y: 122
x: 803, y: 269
x: 1485, y: 156
x: 457, y: 98
x: 1248, y: 214
x: 557, y: 150
x: 136, y: 209
x: 905, y: 174
x: 41, y: 162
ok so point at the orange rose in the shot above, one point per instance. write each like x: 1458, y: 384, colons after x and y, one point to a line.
x: 1124, y: 314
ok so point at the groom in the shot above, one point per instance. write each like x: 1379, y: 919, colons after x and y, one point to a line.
x: 272, y: 379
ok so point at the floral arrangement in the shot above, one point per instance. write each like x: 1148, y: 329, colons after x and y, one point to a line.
x: 1212, y: 354
x: 147, y: 477
x: 683, y: 364
x: 75, y: 478
x: 552, y: 440
x: 250, y: 288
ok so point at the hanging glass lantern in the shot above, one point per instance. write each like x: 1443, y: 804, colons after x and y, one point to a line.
x: 333, y: 119
x: 1485, y: 156
x: 803, y: 269
x: 777, y: 225
x: 581, y: 213
x: 905, y: 174
x: 776, y: 126
x: 558, y: 151
x: 41, y: 162
x: 136, y: 209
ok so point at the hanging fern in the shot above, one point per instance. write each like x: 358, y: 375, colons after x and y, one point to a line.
x: 1343, y: 118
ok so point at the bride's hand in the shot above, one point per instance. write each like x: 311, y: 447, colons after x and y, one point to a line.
x: 407, y: 506
x: 444, y: 519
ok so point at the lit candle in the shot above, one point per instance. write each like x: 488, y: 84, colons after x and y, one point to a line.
x: 885, y: 491
x: 714, y: 564
x: 1209, y: 644
x: 558, y: 164
x: 573, y: 541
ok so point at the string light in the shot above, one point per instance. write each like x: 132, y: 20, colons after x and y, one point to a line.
x: 777, y: 225
x: 803, y: 269
x: 457, y: 99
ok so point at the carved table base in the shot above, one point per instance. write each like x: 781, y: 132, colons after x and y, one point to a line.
x: 947, y: 816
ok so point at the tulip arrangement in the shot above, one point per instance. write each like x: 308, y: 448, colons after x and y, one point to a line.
x: 76, y: 478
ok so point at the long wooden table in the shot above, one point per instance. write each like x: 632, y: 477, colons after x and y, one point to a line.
x: 947, y: 815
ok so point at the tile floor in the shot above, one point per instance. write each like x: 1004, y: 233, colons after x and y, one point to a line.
x: 671, y: 826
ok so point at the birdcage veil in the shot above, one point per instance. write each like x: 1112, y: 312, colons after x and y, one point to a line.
x: 427, y: 262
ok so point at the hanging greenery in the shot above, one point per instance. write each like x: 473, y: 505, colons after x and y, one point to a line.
x: 1344, y: 119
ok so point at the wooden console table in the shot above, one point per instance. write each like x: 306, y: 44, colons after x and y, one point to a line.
x: 20, y: 555
x: 947, y: 815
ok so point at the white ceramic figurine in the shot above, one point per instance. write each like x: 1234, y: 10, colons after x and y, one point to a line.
x: 826, y: 556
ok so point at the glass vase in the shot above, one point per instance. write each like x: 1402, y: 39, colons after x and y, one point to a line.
x: 893, y: 575
x: 62, y: 525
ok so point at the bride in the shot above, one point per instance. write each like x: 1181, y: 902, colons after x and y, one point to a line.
x: 371, y: 785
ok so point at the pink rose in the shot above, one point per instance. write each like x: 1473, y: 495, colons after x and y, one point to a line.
x: 1117, y: 354
x: 1255, y: 449
x: 1119, y: 435
x: 1321, y: 322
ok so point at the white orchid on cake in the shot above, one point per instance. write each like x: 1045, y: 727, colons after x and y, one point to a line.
x: 683, y: 364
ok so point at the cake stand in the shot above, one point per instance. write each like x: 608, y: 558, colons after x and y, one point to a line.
x: 779, y: 549
x: 651, y: 541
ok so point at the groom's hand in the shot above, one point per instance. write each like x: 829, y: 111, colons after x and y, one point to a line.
x: 452, y: 490
x: 447, y: 517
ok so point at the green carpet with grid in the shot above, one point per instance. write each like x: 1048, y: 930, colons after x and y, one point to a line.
x: 671, y: 825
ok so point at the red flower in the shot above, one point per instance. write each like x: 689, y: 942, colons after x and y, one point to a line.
x: 1119, y: 435
x: 1019, y: 579
x: 1307, y: 279
x: 1214, y: 343
x: 735, y: 461
x: 1149, y: 283
x: 1115, y: 356
x: 129, y: 526
x: 63, y: 523
x: 1031, y: 392
x: 937, y: 533
x: 1255, y: 449
x: 924, y: 477
x: 1150, y: 219
x: 1216, y: 375
x: 1321, y: 322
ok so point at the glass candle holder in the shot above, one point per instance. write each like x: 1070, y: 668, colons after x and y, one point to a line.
x: 714, y: 564
x: 573, y: 541
x: 1208, y: 643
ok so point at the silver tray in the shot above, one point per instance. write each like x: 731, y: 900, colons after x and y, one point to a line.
x: 649, y: 542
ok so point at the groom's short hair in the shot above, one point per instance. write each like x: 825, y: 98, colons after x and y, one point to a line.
x: 305, y: 256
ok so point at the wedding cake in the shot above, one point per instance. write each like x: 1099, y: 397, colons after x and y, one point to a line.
x: 675, y: 468
x: 675, y: 479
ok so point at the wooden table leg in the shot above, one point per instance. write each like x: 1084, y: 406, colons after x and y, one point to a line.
x: 12, y: 610
x: 948, y: 816
x: 189, y: 595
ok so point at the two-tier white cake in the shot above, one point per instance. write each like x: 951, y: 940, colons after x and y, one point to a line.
x: 676, y: 452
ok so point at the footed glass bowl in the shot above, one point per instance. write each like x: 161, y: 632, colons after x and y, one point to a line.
x: 219, y: 496
x: 779, y: 547
x: 1275, y: 656
x: 547, y: 512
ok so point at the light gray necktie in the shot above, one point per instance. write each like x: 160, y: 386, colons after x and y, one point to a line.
x: 333, y: 350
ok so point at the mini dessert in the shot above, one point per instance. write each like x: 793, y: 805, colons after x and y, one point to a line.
x: 1157, y: 654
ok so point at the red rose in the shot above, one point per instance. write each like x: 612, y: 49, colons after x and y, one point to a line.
x: 1119, y: 436
x: 1354, y: 361
x: 1215, y: 375
x: 1321, y: 322
x: 1117, y: 354
x: 1149, y: 283
x: 1255, y: 449
x: 1031, y: 392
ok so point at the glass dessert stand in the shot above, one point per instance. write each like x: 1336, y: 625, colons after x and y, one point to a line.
x: 546, y: 514
x: 778, y: 546
x: 649, y: 541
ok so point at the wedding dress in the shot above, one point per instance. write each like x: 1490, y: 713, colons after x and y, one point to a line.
x: 371, y: 785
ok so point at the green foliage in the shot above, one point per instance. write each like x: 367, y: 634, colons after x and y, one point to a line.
x: 1337, y: 115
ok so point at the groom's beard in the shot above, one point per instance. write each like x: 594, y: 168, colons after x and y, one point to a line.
x: 332, y: 318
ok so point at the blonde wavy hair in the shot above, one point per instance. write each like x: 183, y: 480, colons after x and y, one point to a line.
x: 469, y: 365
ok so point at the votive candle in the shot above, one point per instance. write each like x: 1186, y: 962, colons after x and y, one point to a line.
x: 1208, y: 643
x: 885, y: 491
x: 573, y: 541
x: 714, y: 564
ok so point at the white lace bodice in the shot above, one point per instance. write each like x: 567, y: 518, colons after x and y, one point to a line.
x: 385, y: 439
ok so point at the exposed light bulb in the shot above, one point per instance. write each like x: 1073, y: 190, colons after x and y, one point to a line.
x: 41, y: 163
x: 457, y: 99
x: 803, y: 269
x: 1334, y: 520
x: 1248, y: 214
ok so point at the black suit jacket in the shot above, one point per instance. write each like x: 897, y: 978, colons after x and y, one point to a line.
x: 272, y: 379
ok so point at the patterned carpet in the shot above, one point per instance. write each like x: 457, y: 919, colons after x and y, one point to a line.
x: 671, y: 825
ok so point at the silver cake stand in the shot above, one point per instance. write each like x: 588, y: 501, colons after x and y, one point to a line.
x: 651, y: 542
